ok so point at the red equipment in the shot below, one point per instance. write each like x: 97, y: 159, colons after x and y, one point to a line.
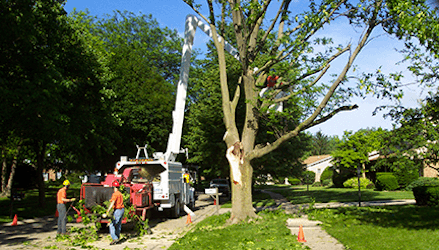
x: 140, y: 191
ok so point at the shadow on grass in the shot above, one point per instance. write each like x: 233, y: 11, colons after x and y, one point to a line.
x: 410, y: 217
x: 29, y: 208
x: 299, y: 195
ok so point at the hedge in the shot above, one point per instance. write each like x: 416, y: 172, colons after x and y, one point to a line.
x: 293, y: 181
x: 423, y: 181
x: 426, y: 195
x: 386, y: 181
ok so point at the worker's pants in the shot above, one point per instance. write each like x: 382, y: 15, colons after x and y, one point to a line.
x: 62, y: 220
x: 116, y: 224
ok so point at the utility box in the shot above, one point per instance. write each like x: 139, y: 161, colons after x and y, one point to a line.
x: 211, y: 190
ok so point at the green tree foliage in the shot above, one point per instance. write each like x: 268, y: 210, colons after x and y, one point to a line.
x: 144, y: 60
x: 353, y: 152
x: 322, y: 144
x: 308, y: 177
x: 411, y: 145
x: 204, y: 127
x: 51, y: 86
x: 354, y: 148
x: 326, y: 174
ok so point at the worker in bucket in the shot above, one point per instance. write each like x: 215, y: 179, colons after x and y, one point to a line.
x: 61, y: 198
x: 116, y: 203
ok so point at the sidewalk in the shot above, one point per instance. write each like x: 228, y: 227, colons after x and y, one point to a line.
x: 317, y: 238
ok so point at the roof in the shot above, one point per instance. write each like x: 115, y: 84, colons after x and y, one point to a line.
x: 315, y: 158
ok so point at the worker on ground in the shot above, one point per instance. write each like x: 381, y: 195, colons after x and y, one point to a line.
x: 61, y: 198
x: 116, y: 203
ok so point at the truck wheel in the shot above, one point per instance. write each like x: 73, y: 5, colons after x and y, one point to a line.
x: 175, y: 211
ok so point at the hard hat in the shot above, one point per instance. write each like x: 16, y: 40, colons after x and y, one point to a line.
x: 66, y: 183
x: 115, y: 184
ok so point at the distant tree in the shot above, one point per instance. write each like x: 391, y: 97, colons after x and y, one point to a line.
x: 322, y: 144
x: 308, y: 178
x: 354, y: 148
x: 412, y: 143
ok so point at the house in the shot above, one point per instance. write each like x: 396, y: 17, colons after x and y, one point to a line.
x: 317, y: 164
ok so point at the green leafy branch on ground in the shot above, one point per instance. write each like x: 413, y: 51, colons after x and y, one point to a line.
x: 82, y: 236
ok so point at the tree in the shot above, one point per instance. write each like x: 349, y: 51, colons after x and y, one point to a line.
x: 52, y: 88
x: 143, y: 59
x: 412, y: 143
x: 322, y: 144
x: 354, y: 148
x: 308, y: 178
x: 288, y: 51
x: 204, y: 129
x: 10, y: 155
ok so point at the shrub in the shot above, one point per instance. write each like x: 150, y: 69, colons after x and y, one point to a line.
x: 327, y: 182
x: 339, y: 178
x: 327, y: 174
x: 370, y: 186
x: 353, y: 183
x: 293, y: 181
x: 426, y: 195
x: 406, y: 176
x: 387, y: 182
x: 317, y: 184
x: 423, y: 181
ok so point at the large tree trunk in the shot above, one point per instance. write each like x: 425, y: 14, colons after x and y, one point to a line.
x: 7, y: 185
x: 241, y: 173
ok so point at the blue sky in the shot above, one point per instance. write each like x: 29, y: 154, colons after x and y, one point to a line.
x: 380, y: 52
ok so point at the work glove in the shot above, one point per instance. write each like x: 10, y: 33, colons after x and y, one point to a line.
x: 73, y: 199
x: 104, y: 216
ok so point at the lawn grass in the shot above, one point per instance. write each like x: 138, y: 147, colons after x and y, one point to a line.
x: 267, y: 232
x: 259, y: 200
x: 391, y: 227
x: 28, y: 207
x: 300, y: 195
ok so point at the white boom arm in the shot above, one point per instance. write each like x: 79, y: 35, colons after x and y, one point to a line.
x: 192, y: 22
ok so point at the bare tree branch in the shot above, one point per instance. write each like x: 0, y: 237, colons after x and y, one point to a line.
x: 273, y: 23
x: 262, y: 150
x: 330, y: 115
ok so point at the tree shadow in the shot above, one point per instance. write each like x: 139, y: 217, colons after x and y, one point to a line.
x: 301, y: 196
x: 411, y: 217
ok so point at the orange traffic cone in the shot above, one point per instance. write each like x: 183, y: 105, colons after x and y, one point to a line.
x: 188, y: 221
x: 214, y: 202
x: 14, y: 221
x: 56, y: 213
x: 301, y: 236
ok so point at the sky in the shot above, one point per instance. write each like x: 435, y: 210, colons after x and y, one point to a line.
x: 380, y: 52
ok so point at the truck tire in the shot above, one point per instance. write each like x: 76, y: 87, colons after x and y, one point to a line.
x: 176, y: 210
